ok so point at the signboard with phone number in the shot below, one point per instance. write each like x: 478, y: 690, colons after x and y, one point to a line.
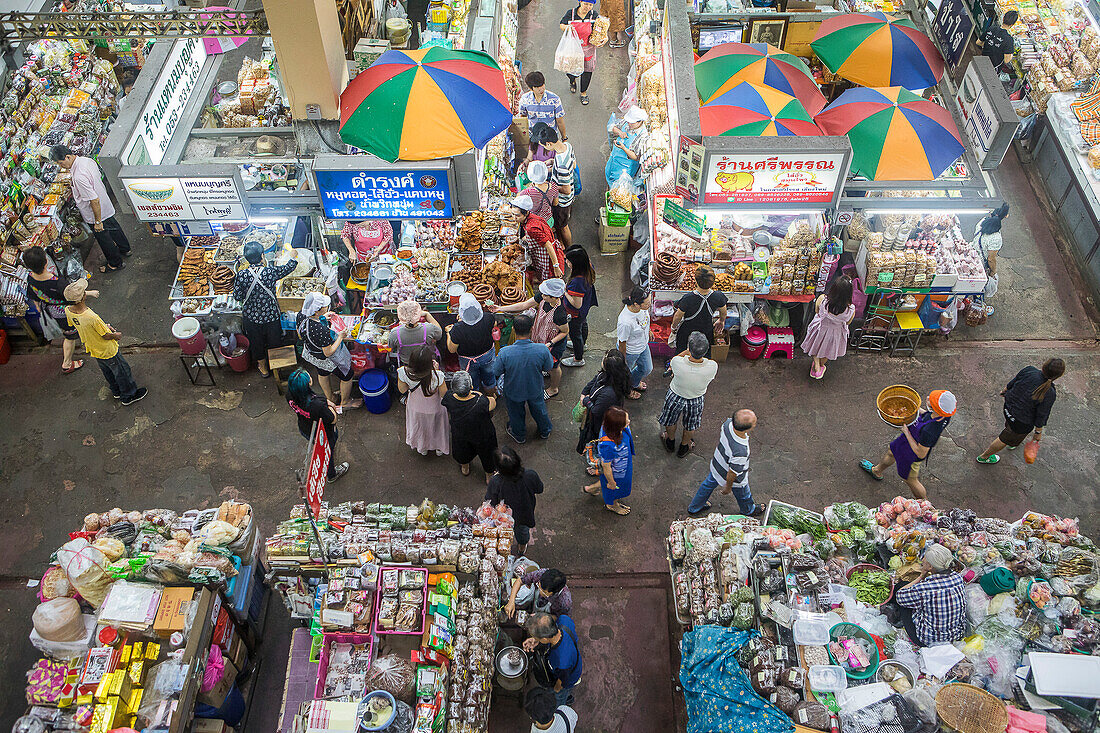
x: 385, y: 194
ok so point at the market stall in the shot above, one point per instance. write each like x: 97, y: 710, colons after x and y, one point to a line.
x: 800, y: 612
x: 150, y: 619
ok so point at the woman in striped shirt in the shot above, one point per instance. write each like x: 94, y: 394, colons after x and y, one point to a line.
x: 563, y: 171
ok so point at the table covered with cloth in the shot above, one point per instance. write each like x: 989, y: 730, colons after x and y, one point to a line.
x: 717, y: 692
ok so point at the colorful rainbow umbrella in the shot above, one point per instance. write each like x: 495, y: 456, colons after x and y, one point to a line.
x: 751, y: 110
x: 878, y: 50
x: 420, y: 105
x: 895, y: 135
x: 760, y: 63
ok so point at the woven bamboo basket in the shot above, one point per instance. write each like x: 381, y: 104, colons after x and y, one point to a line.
x: 893, y: 395
x: 969, y: 709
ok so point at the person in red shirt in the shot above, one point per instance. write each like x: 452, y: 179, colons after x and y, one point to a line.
x: 543, y: 248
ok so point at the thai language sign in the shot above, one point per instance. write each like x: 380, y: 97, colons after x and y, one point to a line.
x: 165, y: 105
x: 772, y: 179
x: 185, y: 199
x: 385, y: 194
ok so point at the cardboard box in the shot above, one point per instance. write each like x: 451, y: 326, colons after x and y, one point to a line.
x: 613, y: 240
x: 521, y: 133
x: 721, y: 352
x: 367, y: 51
x: 172, y: 613
x: 216, y: 696
x: 238, y: 651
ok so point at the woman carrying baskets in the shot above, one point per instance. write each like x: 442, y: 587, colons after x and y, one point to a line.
x: 932, y: 607
x: 910, y: 449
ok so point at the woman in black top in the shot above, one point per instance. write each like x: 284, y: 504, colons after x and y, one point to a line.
x: 48, y: 291
x: 471, y: 337
x: 472, y: 431
x: 609, y: 388
x: 516, y: 486
x: 311, y: 408
x: 702, y: 310
x: 580, y: 297
x: 1028, y: 399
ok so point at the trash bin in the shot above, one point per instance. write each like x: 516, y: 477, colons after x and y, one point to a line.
x: 375, y: 386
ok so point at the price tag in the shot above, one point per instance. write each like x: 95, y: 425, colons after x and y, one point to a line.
x: 886, y: 277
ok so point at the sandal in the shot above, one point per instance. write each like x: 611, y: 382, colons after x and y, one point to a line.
x: 547, y: 396
x: 634, y: 395
x: 107, y: 268
x: 870, y: 468
x: 642, y: 387
x: 685, y: 448
x: 621, y: 510
x: 670, y: 444
x: 76, y: 364
x: 465, y: 470
x: 590, y: 493
x: 573, y: 87
x: 584, y: 99
x: 591, y: 471
x: 988, y: 461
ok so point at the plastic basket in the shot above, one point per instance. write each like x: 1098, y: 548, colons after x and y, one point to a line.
x: 898, y: 391
x: 848, y: 629
x: 326, y: 650
x: 616, y: 217
x: 892, y: 715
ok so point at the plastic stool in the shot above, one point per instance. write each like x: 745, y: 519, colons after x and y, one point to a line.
x: 780, y: 341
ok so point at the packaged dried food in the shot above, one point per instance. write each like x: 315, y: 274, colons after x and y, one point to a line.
x: 785, y: 699
x: 812, y: 715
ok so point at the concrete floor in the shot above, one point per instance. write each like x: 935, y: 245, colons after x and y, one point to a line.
x: 68, y: 449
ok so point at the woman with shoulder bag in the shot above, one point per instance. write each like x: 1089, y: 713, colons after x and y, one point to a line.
x: 48, y: 292
x: 987, y: 238
x: 314, y: 411
x: 325, y: 350
x: 1029, y: 398
x: 609, y: 388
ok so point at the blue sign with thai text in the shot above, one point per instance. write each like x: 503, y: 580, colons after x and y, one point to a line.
x: 385, y: 194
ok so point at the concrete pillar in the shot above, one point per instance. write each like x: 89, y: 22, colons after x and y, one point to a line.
x: 310, y: 50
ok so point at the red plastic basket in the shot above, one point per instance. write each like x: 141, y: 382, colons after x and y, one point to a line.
x: 327, y: 641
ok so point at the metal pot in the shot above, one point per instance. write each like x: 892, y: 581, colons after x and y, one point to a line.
x: 511, y: 666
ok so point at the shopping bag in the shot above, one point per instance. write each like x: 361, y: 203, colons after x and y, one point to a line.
x: 576, y: 180
x: 1031, y: 451
x: 991, y: 286
x: 569, y: 56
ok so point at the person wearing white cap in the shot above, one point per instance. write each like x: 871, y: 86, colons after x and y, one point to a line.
x: 933, y: 607
x: 627, y: 144
x: 551, y: 324
x: 543, y: 192
x: 910, y: 449
x: 543, y: 248
x: 325, y: 349
x: 100, y: 340
x: 471, y: 337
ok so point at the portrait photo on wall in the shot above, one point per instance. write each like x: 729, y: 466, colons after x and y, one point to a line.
x: 772, y: 31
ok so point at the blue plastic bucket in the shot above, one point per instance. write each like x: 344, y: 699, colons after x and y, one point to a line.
x: 375, y: 386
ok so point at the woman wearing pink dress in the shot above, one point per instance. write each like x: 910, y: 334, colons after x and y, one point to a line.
x: 827, y: 334
x: 427, y: 427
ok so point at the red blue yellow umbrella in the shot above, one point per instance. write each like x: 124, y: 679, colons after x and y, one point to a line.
x: 760, y: 63
x: 751, y: 110
x: 895, y: 134
x: 878, y: 50
x: 420, y: 105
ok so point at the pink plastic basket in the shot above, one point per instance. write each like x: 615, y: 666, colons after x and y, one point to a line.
x: 378, y: 603
x: 339, y: 638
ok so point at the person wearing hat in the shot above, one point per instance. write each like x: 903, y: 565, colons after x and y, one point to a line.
x: 325, y: 349
x: 94, y: 205
x: 543, y: 192
x: 101, y: 342
x: 627, y: 145
x: 254, y: 287
x: 543, y: 249
x: 551, y: 324
x: 933, y: 607
x: 583, y: 20
x: 471, y: 337
x: 411, y: 333
x: 910, y: 449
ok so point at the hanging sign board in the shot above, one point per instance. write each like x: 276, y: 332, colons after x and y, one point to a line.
x: 689, y: 170
x: 208, y: 198
x: 755, y: 178
x: 391, y: 193
x: 989, y: 119
x: 952, y: 28
x: 162, y: 111
x: 320, y: 455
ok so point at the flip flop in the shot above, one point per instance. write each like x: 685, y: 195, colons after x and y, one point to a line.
x: 573, y: 87
x: 76, y: 364
x: 621, y: 510
x: 869, y: 468
x: 988, y: 461
x: 590, y: 493
x: 634, y: 395
x: 465, y: 470
x: 547, y: 396
x: 642, y: 387
x: 584, y: 99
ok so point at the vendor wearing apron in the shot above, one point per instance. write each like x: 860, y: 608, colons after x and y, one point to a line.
x: 545, y: 252
x: 552, y: 594
x: 366, y: 240
x: 627, y: 139
x: 472, y: 339
x: 254, y: 287
x: 411, y: 333
x: 910, y: 449
x: 326, y: 350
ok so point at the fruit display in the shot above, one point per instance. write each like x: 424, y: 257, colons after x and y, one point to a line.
x: 195, y: 271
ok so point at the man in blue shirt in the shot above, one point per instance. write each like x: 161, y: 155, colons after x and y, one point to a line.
x: 522, y: 365
x: 557, y: 639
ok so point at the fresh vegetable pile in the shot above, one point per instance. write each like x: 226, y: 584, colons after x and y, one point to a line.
x: 872, y: 586
x: 798, y: 520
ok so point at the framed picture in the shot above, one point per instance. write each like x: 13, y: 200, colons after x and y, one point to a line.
x: 772, y: 30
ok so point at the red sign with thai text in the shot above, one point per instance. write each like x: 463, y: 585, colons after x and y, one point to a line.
x: 317, y: 472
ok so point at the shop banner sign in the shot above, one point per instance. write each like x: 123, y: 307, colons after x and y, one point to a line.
x: 742, y: 178
x: 385, y: 194
x: 164, y: 107
x: 952, y: 28
x: 185, y: 199
x: 689, y: 170
x: 320, y: 455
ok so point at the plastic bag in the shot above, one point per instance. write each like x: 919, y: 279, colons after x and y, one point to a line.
x: 86, y: 568
x: 922, y: 703
x: 1031, y: 451
x: 622, y: 192
x: 394, y: 675
x: 569, y: 56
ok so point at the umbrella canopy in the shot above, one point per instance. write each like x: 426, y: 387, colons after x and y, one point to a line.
x: 895, y: 135
x: 420, y: 105
x: 751, y: 110
x: 760, y: 63
x: 878, y: 50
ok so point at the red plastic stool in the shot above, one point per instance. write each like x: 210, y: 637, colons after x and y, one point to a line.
x: 780, y: 341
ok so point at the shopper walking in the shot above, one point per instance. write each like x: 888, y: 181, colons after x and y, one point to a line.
x: 94, y: 205
x: 517, y: 487
x: 325, y: 349
x: 543, y: 191
x: 615, y: 10
x: 692, y: 373
x: 522, y: 364
x: 563, y: 169
x: 551, y: 325
x: 616, y: 466
x: 543, y: 250
x: 910, y: 449
x: 730, y: 467
x: 987, y: 238
x: 609, y: 388
x: 580, y: 297
x: 261, y: 318
x: 100, y: 340
x: 702, y: 310
x: 471, y: 337
x: 557, y: 664
x: 313, y: 410
x: 1029, y: 397
x: 827, y: 334
x: 416, y: 327
x: 48, y: 292
x: 470, y: 415
x: 582, y: 19
x: 546, y: 715
x: 426, y: 425
x: 540, y: 105
x: 632, y: 331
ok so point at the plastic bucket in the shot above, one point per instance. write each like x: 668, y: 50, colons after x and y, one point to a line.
x: 241, y: 362
x: 375, y: 386
x: 188, y: 333
x: 754, y: 342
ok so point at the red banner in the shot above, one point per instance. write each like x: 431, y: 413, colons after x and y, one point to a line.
x: 317, y: 472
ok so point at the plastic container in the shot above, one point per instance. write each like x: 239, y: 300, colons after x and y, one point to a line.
x: 375, y: 386
x: 188, y: 333
x: 811, y: 630
x: 827, y: 678
x: 363, y: 727
x: 240, y: 362
x: 754, y: 342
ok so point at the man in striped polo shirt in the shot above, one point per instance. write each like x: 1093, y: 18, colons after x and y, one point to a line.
x: 730, y: 467
x: 541, y: 105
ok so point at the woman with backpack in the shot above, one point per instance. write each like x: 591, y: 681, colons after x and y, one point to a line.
x: 1028, y: 400
x: 609, y: 388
